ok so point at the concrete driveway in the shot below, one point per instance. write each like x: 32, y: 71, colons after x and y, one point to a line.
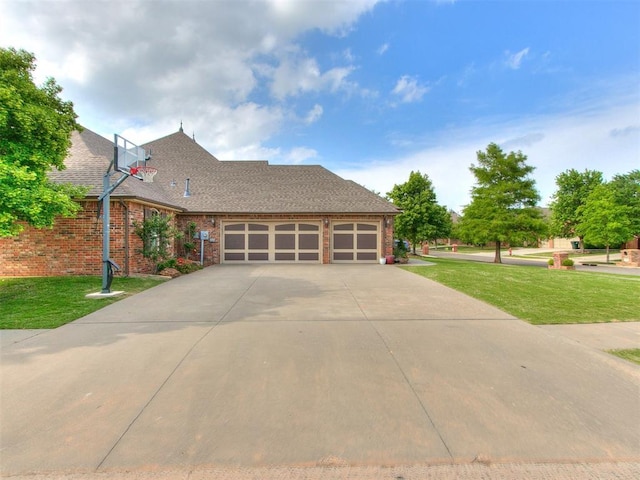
x: 308, y: 365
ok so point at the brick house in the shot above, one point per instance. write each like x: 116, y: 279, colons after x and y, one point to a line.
x: 253, y: 212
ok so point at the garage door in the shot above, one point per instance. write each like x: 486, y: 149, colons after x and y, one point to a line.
x: 260, y: 242
x: 355, y: 242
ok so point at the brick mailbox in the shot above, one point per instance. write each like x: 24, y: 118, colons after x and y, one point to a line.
x: 558, y: 258
x: 630, y: 257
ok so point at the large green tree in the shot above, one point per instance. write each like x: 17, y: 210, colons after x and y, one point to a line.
x: 605, y: 221
x: 573, y: 188
x: 503, y: 201
x: 421, y: 218
x: 626, y: 191
x: 35, y: 135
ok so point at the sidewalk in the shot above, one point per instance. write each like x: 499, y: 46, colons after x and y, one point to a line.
x: 603, y: 336
x: 522, y: 256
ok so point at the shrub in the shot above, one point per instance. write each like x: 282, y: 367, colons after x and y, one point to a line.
x: 567, y: 262
x: 400, y: 249
x: 170, y: 263
x: 188, y: 267
x: 550, y: 261
x: 183, y: 265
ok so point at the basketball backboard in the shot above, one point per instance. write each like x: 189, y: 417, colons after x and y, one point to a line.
x: 128, y: 157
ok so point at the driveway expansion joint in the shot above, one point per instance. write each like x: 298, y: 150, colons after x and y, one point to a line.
x: 402, y: 372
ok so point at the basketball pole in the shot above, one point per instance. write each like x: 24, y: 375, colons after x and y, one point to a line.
x: 106, y: 231
x: 107, y: 188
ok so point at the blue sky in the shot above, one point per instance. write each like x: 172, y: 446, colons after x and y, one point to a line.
x: 369, y: 89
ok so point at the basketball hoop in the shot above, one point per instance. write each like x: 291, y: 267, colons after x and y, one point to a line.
x: 147, y: 173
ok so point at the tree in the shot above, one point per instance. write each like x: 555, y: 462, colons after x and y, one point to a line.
x: 35, y: 136
x: 573, y: 189
x: 626, y: 191
x: 421, y: 218
x: 503, y: 201
x: 604, y: 221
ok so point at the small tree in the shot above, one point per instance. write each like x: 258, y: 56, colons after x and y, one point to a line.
x: 421, y: 218
x: 503, y: 201
x: 573, y: 189
x: 156, y: 234
x: 603, y: 220
x: 35, y: 136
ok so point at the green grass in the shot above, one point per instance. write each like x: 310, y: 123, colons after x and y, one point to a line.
x: 538, y: 295
x: 573, y: 253
x: 48, y: 302
x: 463, y: 249
x: 631, y: 354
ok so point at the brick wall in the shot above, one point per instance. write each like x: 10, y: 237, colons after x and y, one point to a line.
x: 74, y: 245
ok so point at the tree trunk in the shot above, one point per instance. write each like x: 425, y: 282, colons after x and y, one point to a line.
x: 497, y: 258
x: 607, y: 253
x: 581, y: 240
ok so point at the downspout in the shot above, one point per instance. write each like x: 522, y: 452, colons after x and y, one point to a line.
x: 126, y: 237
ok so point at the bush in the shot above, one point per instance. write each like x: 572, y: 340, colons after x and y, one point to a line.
x: 550, y: 261
x: 188, y: 267
x: 170, y: 263
x: 184, y: 265
x: 400, y: 249
x: 567, y: 262
x: 181, y: 264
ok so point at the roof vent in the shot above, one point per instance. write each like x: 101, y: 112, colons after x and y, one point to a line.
x: 187, y: 192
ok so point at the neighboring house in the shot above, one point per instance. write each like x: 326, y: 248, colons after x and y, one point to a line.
x: 253, y: 212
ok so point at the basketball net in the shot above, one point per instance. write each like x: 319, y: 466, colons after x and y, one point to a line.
x: 147, y: 173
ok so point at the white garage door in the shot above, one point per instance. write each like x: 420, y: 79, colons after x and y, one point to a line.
x: 354, y: 242
x: 270, y: 242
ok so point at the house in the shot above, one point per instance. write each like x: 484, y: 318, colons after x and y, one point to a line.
x: 252, y: 212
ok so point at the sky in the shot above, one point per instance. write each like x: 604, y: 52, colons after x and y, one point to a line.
x: 369, y: 89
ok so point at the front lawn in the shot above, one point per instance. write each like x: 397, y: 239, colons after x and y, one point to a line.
x: 538, y: 295
x: 631, y: 354
x: 48, y: 302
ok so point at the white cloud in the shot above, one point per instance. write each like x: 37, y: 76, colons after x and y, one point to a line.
x: 300, y: 154
x: 332, y: 17
x: 141, y: 67
x: 552, y: 144
x: 522, y: 141
x: 408, y: 89
x: 314, y: 114
x: 628, y: 130
x: 469, y: 71
x: 382, y: 49
x: 295, y: 76
x: 514, y: 60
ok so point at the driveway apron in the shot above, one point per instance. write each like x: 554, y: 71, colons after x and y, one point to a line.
x: 307, y: 365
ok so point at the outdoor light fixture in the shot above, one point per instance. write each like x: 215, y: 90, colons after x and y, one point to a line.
x: 326, y: 222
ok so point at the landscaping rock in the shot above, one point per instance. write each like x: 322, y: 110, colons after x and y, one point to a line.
x: 170, y: 272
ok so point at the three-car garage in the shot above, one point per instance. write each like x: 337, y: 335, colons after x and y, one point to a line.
x: 300, y: 241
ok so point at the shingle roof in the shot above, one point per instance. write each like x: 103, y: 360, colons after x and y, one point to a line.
x: 221, y: 186
x: 88, y: 160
